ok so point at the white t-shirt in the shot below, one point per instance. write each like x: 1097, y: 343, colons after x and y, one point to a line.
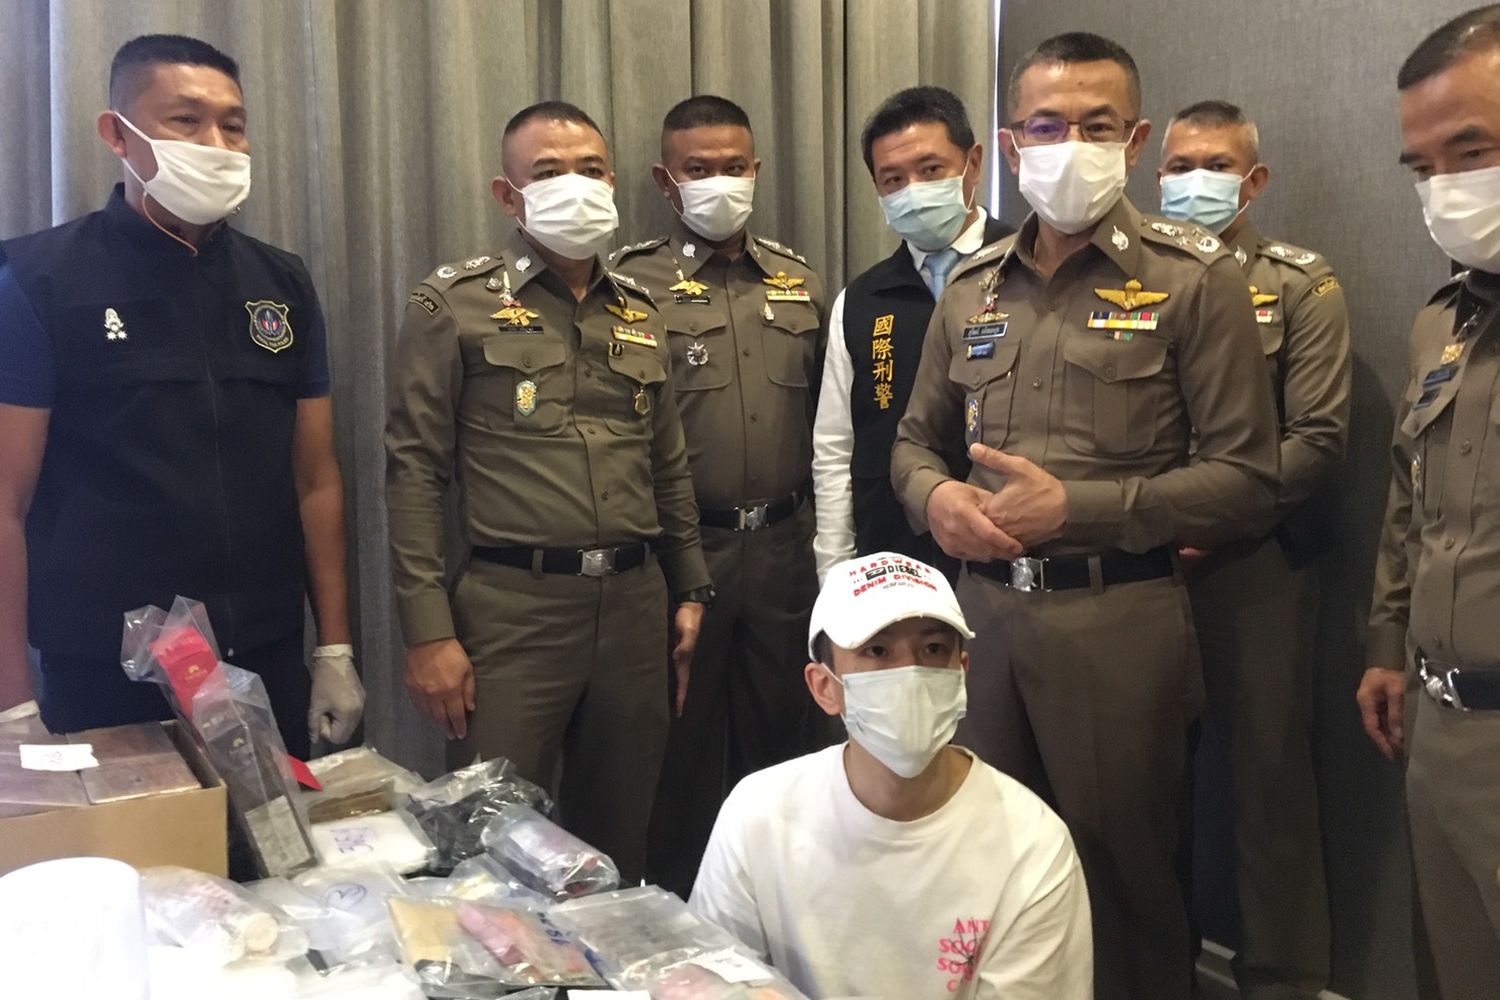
x: 848, y: 903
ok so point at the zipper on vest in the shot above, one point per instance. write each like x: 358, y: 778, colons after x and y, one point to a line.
x: 227, y: 648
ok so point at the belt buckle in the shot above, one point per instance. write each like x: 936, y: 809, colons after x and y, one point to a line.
x: 754, y: 518
x: 1028, y: 574
x: 596, y: 562
x: 1440, y: 687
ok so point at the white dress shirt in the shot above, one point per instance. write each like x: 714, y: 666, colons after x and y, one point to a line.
x: 833, y: 427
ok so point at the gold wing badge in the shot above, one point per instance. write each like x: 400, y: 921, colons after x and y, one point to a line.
x: 626, y: 313
x: 1131, y: 297
x: 1259, y: 298
x: 783, y: 281
x: 687, y: 286
x: 515, y: 314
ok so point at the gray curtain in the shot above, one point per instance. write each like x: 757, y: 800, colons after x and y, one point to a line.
x: 375, y: 128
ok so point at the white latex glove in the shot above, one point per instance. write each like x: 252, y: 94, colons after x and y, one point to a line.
x: 338, y: 698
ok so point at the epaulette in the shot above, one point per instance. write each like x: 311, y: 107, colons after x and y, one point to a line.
x: 985, y: 255
x: 775, y: 247
x: 1448, y: 289
x: 625, y: 281
x: 1288, y: 254
x: 473, y: 267
x: 625, y: 251
x: 1182, y: 236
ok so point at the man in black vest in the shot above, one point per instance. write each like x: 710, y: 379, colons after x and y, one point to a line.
x: 165, y: 423
x: 927, y: 168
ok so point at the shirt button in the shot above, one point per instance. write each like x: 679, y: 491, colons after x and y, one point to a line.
x: 604, y: 495
x: 746, y: 352
x: 1109, y: 371
x: 1036, y: 383
x: 526, y: 360
x: 593, y: 431
x: 754, y: 418
x: 1052, y: 305
x: 1465, y: 448
x: 1448, y: 542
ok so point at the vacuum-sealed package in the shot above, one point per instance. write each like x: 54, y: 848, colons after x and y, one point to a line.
x: 357, y: 920
x: 455, y: 808
x: 648, y: 939
x: 215, y: 919
x: 356, y: 782
x: 462, y: 949
x: 545, y: 856
x: 388, y: 838
x: 230, y: 715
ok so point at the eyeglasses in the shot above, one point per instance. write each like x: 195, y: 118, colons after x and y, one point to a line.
x: 1045, y: 130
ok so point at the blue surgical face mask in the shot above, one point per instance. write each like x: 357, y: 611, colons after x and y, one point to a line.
x: 928, y: 214
x: 1209, y: 198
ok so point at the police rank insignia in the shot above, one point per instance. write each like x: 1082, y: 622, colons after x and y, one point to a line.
x: 1119, y: 239
x: 690, y: 250
x: 114, y: 326
x: 1240, y: 256
x: 697, y: 354
x: 526, y: 397
x: 269, y: 326
x: 786, y: 288
x: 626, y: 313
x: 1325, y: 286
x: 1131, y: 297
x: 1167, y: 229
x: 1260, y: 300
x: 630, y: 335
x: 1452, y: 353
x: 971, y: 419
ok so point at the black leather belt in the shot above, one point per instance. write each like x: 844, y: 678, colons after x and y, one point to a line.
x: 606, y: 561
x: 753, y: 517
x: 1464, y: 688
x: 1072, y: 572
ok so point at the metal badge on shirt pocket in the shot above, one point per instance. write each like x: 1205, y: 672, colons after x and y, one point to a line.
x: 526, y: 397
x: 270, y: 326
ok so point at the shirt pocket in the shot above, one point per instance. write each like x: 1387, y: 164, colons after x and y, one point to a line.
x: 989, y: 386
x: 519, y: 381
x: 1113, y: 394
x: 633, y: 391
x: 702, y: 354
x: 789, y: 342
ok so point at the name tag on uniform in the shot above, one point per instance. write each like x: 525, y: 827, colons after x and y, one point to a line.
x: 984, y: 349
x: 630, y: 335
x: 1265, y: 316
x: 1439, y: 375
x: 1138, y: 320
x: 692, y: 300
x: 985, y: 331
x: 789, y: 295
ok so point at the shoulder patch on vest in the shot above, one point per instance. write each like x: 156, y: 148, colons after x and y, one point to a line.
x: 620, y: 254
x: 775, y: 247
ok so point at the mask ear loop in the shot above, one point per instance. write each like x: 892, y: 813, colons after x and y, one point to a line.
x: 145, y: 194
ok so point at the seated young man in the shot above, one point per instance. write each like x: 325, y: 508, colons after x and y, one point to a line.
x: 897, y: 866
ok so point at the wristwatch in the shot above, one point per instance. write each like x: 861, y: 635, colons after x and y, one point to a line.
x: 699, y: 595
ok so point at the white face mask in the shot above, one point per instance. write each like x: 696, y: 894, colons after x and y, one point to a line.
x: 716, y: 207
x: 1463, y: 216
x: 903, y: 716
x: 198, y: 184
x: 928, y: 214
x: 572, y: 215
x: 1071, y: 185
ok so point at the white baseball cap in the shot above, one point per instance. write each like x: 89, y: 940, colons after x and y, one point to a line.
x: 861, y: 596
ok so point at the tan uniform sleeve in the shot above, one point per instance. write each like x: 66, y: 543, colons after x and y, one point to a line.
x: 1232, y: 482
x: 1390, y: 606
x: 932, y: 422
x: 420, y: 448
x: 680, y: 547
x: 1316, y: 394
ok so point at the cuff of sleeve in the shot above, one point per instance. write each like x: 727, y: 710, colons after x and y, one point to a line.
x: 1095, y: 510
x: 426, y: 617
x: 1385, y: 646
x: 685, y: 569
x: 915, y: 494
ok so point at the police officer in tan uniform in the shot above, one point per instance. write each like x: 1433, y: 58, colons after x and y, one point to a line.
x: 1437, y: 577
x: 1255, y: 603
x: 745, y: 321
x: 541, y: 382
x: 1075, y: 360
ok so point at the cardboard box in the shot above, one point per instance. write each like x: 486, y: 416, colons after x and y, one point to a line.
x: 188, y: 828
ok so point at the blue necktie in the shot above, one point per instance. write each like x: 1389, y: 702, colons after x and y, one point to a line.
x: 937, y: 265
